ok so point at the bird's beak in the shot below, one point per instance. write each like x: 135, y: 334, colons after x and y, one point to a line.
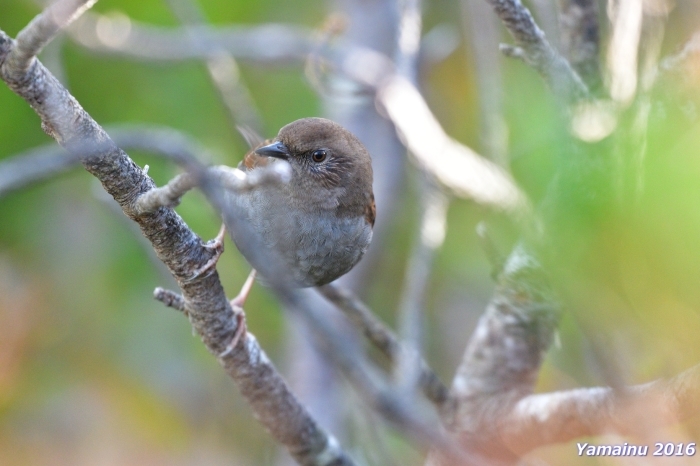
x: 276, y: 149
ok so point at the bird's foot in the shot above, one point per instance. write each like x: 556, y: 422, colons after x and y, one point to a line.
x: 237, y: 305
x: 216, y: 245
x: 241, y: 331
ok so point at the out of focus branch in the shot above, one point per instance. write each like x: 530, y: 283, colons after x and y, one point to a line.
x: 455, y: 165
x: 502, y: 360
x: 430, y: 236
x: 48, y: 161
x: 223, y: 70
x: 120, y: 35
x: 382, y: 337
x: 623, y: 49
x: 408, y: 369
x: 33, y: 166
x: 484, y: 30
x: 676, y: 62
x: 537, y: 51
x: 548, y: 418
x: 460, y: 169
x: 521, y: 423
x: 580, y: 38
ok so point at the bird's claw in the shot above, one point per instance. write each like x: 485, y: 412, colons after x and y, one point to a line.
x: 216, y: 245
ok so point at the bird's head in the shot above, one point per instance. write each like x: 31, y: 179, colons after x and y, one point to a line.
x: 330, y: 166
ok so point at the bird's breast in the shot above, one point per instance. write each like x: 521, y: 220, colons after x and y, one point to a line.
x: 314, y: 246
x: 329, y: 246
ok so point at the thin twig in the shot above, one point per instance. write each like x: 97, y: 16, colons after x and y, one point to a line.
x: 232, y: 179
x: 382, y: 337
x: 676, y: 61
x: 164, y: 196
x: 121, y: 35
x: 580, y: 38
x: 170, y: 299
x: 539, y: 54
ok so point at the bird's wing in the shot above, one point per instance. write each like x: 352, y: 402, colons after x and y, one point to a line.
x: 250, y: 135
x: 371, y: 211
x: 253, y: 160
x: 254, y: 140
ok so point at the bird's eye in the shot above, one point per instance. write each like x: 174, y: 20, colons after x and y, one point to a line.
x: 319, y: 156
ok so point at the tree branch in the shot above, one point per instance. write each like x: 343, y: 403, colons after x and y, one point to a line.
x: 539, y: 54
x: 675, y: 63
x: 483, y: 28
x: 120, y: 35
x: 458, y: 167
x: 382, y: 337
x: 580, y: 38
x: 503, y: 358
x: 176, y: 245
x: 50, y: 160
x: 222, y: 68
x: 548, y: 418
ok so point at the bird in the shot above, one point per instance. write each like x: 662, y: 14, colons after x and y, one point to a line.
x: 319, y: 224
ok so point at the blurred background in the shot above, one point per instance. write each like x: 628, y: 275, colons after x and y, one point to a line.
x: 94, y: 371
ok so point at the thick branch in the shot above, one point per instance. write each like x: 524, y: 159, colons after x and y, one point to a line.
x: 178, y: 247
x: 50, y: 160
x: 548, y: 418
x: 42, y: 29
x: 503, y: 358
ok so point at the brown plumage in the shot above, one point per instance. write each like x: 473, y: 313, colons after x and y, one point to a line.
x: 321, y: 222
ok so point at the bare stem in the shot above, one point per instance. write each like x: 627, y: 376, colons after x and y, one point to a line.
x: 539, y: 54
x: 382, y: 338
x: 269, y: 43
x: 42, y: 29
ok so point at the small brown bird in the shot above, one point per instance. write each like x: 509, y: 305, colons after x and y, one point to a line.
x: 319, y: 224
